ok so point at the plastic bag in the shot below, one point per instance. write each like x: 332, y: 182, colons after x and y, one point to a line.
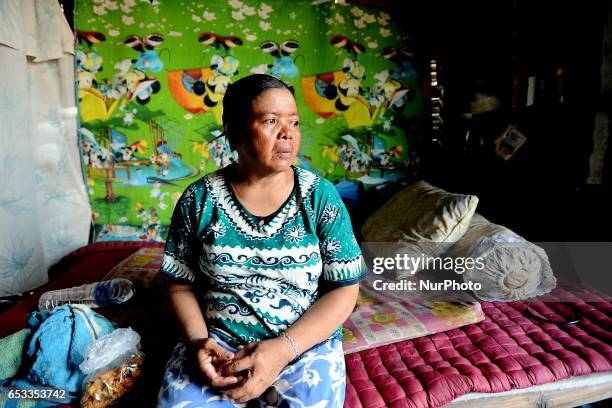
x: 111, y: 365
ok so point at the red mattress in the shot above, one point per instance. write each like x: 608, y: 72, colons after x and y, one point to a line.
x: 85, y: 265
x: 509, y: 349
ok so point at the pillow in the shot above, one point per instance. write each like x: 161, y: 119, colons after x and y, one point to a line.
x: 512, y: 267
x: 140, y: 267
x: 419, y: 220
x: 384, y: 316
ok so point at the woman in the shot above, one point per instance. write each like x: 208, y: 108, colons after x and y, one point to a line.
x: 263, y: 268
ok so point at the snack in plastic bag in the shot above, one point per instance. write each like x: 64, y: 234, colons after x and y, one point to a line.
x: 112, y: 364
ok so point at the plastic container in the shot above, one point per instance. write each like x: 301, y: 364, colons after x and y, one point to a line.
x: 98, y: 294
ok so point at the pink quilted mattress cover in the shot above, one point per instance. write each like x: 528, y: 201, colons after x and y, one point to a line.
x: 509, y: 349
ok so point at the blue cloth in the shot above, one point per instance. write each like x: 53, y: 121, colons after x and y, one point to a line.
x: 316, y: 380
x: 348, y: 190
x: 57, y: 346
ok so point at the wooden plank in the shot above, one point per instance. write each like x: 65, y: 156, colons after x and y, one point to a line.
x: 565, y: 398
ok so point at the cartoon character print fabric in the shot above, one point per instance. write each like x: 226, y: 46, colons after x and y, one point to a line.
x: 152, y: 76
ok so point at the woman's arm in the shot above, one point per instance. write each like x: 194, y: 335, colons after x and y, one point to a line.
x: 187, y: 311
x: 323, y: 317
x: 210, y: 355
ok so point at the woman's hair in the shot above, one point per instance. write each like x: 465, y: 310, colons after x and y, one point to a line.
x: 239, y: 98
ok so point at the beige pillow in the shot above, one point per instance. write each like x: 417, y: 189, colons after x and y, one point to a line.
x: 420, y: 220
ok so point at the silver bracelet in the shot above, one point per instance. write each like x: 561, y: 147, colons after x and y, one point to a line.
x: 293, y: 344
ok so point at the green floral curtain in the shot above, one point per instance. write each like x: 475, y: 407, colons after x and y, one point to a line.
x: 151, y: 80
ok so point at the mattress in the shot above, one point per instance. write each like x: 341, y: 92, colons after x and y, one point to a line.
x: 508, y: 350
x: 598, y: 384
x: 84, y: 265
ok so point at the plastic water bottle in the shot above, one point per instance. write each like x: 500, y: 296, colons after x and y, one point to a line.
x: 98, y: 294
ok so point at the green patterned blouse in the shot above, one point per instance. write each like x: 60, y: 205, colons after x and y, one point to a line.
x: 256, y: 277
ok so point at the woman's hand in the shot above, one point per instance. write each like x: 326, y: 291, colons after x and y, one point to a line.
x: 211, y: 359
x: 209, y: 355
x: 263, y: 361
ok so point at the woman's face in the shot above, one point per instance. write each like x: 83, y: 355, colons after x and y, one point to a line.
x: 271, y: 139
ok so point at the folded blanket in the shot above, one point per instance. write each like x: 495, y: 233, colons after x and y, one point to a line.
x: 11, y: 352
x: 58, y: 344
x: 514, y: 268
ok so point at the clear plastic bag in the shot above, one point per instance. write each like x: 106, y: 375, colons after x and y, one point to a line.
x: 111, y: 365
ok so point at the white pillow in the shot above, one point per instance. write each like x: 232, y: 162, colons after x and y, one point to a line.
x: 513, y: 268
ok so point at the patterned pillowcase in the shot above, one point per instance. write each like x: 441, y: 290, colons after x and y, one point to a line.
x: 383, y: 317
x: 141, y: 267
